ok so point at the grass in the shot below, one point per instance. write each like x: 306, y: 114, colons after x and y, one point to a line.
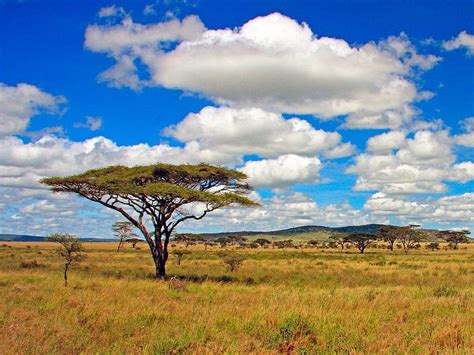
x: 310, y: 300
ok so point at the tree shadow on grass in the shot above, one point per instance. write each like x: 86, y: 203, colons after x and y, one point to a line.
x: 195, y: 278
x: 192, y: 278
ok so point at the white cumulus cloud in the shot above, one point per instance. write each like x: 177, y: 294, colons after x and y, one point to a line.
x: 282, y: 171
x: 463, y: 40
x: 18, y: 104
x: 254, y: 131
x: 271, y: 62
x: 445, y: 210
x: 411, y: 165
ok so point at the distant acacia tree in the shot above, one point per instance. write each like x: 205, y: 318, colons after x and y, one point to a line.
x: 233, y: 262
x: 134, y: 241
x: 70, y: 249
x: 262, y: 242
x: 313, y: 243
x: 189, y: 239
x: 388, y: 234
x: 223, y: 241
x: 360, y: 240
x: 179, y: 255
x: 455, y: 237
x: 280, y: 244
x: 409, y: 236
x: 123, y: 231
x: 338, y: 238
x: 157, y: 198
x: 433, y: 246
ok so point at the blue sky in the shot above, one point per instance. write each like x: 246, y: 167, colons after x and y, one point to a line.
x: 350, y: 54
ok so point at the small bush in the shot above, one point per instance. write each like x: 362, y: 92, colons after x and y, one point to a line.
x: 233, y: 262
x: 378, y: 263
x: 295, y: 332
x: 177, y: 284
x: 433, y: 246
x: 30, y: 264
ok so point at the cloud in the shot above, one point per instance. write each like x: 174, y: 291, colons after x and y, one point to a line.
x: 386, y: 142
x: 448, y: 209
x: 149, y: 10
x: 214, y: 135
x: 466, y: 139
x: 23, y: 164
x: 92, y: 123
x: 402, y: 48
x: 18, y: 104
x: 418, y: 165
x: 111, y: 11
x: 127, y: 41
x: 284, y: 211
x: 274, y: 63
x: 392, y: 118
x: 254, y: 131
x: 283, y: 171
x: 463, y: 40
x: 35, y: 135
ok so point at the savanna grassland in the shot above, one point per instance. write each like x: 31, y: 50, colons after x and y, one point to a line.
x: 279, y: 300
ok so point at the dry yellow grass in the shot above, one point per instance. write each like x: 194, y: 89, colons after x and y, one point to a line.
x: 310, y: 300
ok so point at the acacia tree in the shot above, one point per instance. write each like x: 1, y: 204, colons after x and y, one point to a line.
x: 455, y: 237
x: 388, y: 234
x: 157, y: 198
x: 433, y: 246
x: 123, y: 231
x: 338, y: 238
x: 134, y: 241
x: 360, y: 240
x: 262, y: 242
x: 189, y: 239
x: 179, y: 254
x: 409, y: 236
x: 70, y: 249
x: 233, y: 262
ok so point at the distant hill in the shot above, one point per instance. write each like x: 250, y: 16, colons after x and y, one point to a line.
x: 367, y: 228
x: 35, y: 238
x: 299, y: 232
x: 20, y: 238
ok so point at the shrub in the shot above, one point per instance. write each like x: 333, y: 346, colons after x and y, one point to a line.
x: 179, y: 255
x: 30, y: 264
x: 233, y: 262
x: 295, y: 332
x: 176, y: 284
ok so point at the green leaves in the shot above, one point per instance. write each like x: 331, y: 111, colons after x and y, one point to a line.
x: 205, y: 183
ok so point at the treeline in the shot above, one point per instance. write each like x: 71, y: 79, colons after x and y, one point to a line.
x: 405, y: 238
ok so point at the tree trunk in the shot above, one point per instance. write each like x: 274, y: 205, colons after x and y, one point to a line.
x: 119, y: 246
x: 160, y: 267
x: 392, y: 242
x: 66, y: 267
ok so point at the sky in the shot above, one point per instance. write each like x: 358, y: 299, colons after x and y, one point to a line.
x: 339, y: 112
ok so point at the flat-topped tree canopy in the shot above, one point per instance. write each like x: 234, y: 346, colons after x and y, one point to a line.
x: 191, y: 183
x: 158, y: 194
